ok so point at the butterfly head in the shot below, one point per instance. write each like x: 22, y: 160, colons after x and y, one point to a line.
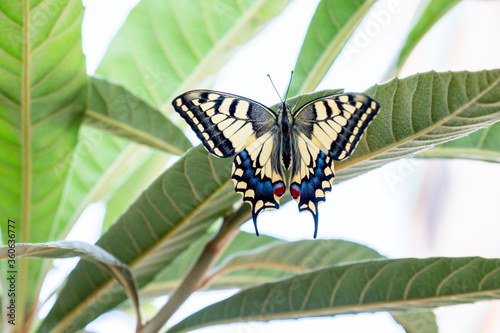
x: 284, y: 107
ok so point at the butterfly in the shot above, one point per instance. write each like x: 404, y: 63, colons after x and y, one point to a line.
x: 266, y: 143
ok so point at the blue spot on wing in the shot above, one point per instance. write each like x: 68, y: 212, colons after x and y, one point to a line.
x: 259, y: 191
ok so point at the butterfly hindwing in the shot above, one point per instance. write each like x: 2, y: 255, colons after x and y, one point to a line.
x: 257, y: 174
x: 312, y: 176
x: 224, y: 123
x: 325, y: 129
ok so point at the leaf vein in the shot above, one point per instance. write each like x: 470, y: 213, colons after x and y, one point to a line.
x: 177, y: 69
x: 191, y: 185
x: 453, y: 273
x: 370, y: 282
x: 172, y: 202
x: 157, y: 211
x: 309, y: 290
x: 486, y: 277
x: 337, y: 285
x: 414, y: 277
x: 145, y: 220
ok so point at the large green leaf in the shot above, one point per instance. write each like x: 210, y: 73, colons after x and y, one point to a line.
x: 91, y: 253
x: 281, y: 259
x: 421, y: 111
x: 482, y: 145
x: 114, y: 109
x: 429, y: 16
x: 42, y: 100
x: 331, y: 27
x: 370, y: 286
x: 278, y: 260
x: 173, y: 212
x: 168, y: 47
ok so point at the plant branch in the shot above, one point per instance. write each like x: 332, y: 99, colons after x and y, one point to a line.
x: 193, y: 279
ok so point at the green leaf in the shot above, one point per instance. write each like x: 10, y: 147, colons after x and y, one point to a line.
x: 429, y: 16
x: 163, y: 222
x: 331, y: 27
x: 277, y: 260
x: 130, y: 185
x: 417, y: 321
x: 371, y: 286
x: 168, y: 47
x: 114, y: 109
x: 482, y: 145
x: 91, y: 253
x: 421, y: 111
x: 281, y: 259
x: 95, y: 153
x: 43, y: 87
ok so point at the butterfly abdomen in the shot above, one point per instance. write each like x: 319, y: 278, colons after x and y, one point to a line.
x: 285, y: 120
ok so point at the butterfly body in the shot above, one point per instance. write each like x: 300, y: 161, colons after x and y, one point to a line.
x: 266, y: 143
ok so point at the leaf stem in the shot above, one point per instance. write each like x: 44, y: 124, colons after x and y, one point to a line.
x: 193, y: 279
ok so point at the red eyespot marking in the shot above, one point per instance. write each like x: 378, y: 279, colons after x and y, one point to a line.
x: 279, y: 189
x: 295, y: 191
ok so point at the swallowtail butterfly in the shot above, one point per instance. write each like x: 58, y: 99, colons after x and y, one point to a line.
x: 265, y: 142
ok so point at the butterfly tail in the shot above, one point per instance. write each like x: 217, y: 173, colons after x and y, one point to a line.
x: 315, y: 225
x: 254, y: 218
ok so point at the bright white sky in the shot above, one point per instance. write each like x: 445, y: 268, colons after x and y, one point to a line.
x: 373, y: 209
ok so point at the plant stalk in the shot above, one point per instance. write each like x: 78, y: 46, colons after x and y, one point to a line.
x: 207, y: 259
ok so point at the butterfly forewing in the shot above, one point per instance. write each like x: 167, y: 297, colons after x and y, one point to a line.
x: 224, y: 123
x: 336, y: 123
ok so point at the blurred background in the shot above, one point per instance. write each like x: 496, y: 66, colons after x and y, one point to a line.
x: 410, y: 208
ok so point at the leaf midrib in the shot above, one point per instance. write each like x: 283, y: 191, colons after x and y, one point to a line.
x: 26, y: 162
x: 154, y: 141
x: 350, y: 162
x: 457, y: 152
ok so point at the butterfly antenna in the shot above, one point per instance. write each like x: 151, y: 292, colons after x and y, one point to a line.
x: 281, y: 99
x: 289, y: 84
